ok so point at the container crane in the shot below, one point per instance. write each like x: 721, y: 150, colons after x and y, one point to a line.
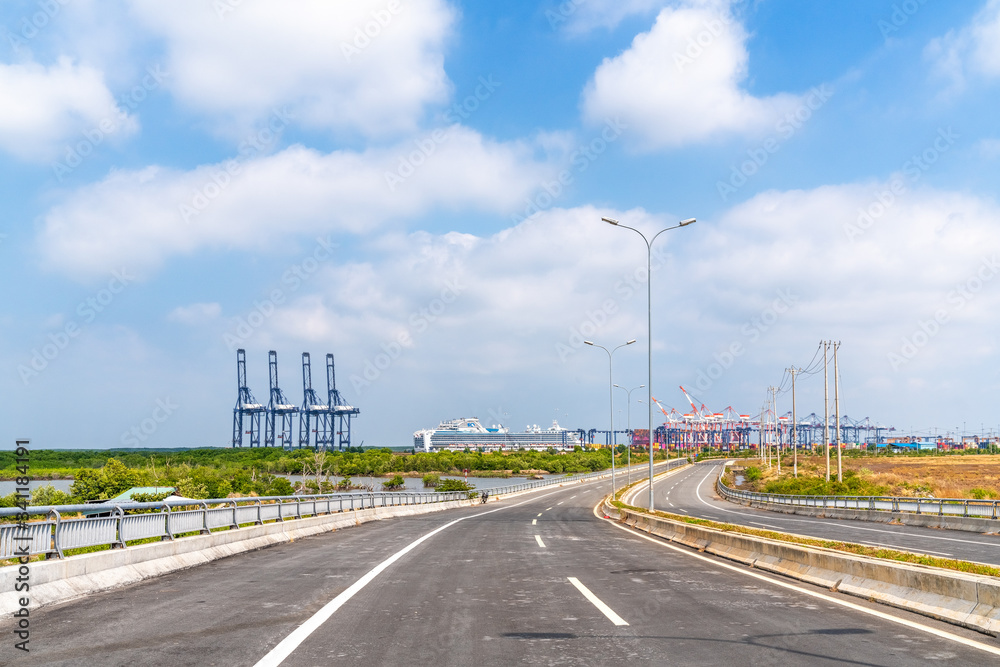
x: 246, y: 414
x: 278, y: 408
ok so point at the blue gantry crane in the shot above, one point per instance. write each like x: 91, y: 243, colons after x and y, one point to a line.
x: 246, y: 414
x: 278, y: 408
x: 315, y: 420
x: 321, y: 424
x: 340, y: 411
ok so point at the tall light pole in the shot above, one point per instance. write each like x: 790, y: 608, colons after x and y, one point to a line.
x: 611, y: 397
x: 628, y: 465
x: 649, y: 329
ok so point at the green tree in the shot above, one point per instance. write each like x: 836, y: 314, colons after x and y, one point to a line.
x: 107, y: 482
x: 50, y: 495
x: 396, y: 482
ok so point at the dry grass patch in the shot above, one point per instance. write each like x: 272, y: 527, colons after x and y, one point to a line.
x: 949, y: 476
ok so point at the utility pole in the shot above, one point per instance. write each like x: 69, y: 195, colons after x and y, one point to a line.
x: 826, y: 414
x: 760, y: 436
x: 795, y: 440
x: 777, y: 427
x: 836, y: 404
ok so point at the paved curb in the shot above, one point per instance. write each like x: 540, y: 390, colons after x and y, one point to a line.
x: 968, y: 600
x: 968, y: 524
x: 55, y: 581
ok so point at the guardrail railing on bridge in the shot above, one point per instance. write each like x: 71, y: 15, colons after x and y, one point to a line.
x: 986, y: 509
x: 122, y: 523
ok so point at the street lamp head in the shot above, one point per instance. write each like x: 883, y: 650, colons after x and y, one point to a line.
x: 610, y: 221
x: 620, y: 387
x: 587, y: 342
x: 689, y: 221
x: 630, y: 341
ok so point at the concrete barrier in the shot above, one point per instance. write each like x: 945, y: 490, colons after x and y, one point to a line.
x: 968, y: 600
x: 61, y: 580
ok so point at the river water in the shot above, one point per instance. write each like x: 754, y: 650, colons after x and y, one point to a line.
x: 411, y: 483
x: 7, y: 488
x: 416, y: 484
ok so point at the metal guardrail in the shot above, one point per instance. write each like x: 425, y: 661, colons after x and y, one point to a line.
x: 986, y: 509
x: 126, y: 522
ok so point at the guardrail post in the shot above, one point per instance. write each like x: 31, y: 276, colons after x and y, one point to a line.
x: 55, y: 535
x: 965, y: 512
x: 120, y: 544
x: 260, y: 514
x: 204, y: 519
x: 235, y: 523
x: 166, y: 524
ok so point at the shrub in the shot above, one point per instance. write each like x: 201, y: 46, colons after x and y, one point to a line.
x: 431, y: 480
x: 50, y: 495
x: 453, y: 485
x: 397, y: 482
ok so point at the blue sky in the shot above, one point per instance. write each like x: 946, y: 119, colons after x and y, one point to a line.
x: 424, y: 201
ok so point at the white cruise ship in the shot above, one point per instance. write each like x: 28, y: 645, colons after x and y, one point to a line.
x: 459, y: 434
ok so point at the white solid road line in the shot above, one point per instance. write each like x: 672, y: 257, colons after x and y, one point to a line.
x: 718, y: 562
x: 285, y: 647
x: 538, y: 538
x: 596, y: 601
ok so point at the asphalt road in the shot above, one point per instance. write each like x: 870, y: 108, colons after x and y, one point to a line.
x: 495, y: 587
x: 692, y: 491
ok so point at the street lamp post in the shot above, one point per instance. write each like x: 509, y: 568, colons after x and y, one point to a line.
x: 649, y: 329
x: 628, y: 465
x: 611, y: 397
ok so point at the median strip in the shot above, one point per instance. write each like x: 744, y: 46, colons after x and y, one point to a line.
x: 846, y: 547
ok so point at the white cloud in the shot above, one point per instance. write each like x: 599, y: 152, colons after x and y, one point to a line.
x: 973, y: 49
x: 680, y: 82
x: 196, y: 313
x: 140, y: 219
x: 582, y: 16
x: 369, y: 66
x: 524, y: 299
x: 44, y: 109
x: 988, y: 147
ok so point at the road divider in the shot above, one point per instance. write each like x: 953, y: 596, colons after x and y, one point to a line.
x: 967, y: 600
x: 975, y: 516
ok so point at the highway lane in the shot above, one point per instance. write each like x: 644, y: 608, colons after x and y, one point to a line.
x: 495, y: 588
x: 692, y: 491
